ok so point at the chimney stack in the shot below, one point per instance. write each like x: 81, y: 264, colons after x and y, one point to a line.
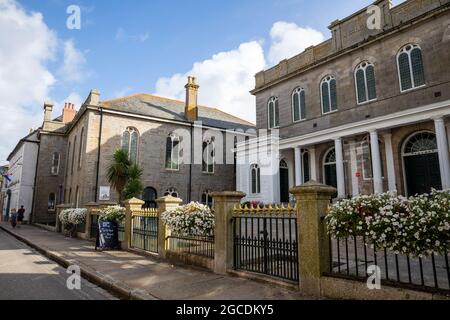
x: 68, y: 113
x: 48, y: 108
x: 191, y: 108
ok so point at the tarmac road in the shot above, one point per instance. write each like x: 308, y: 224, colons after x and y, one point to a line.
x: 27, y: 275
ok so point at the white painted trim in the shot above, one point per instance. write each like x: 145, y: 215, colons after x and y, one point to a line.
x: 392, y: 120
x: 298, y: 90
x: 413, y: 86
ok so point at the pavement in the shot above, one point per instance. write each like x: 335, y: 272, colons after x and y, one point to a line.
x: 134, y: 276
x: 27, y: 275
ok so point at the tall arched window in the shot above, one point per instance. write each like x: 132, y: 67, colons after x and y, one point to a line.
x: 365, y: 82
x: 149, y: 196
x: 55, y: 163
x: 306, y: 167
x: 130, y: 140
x: 80, y: 155
x: 255, y: 179
x: 171, y: 192
x: 207, y: 198
x: 273, y: 113
x: 298, y: 105
x: 51, y: 202
x: 73, y: 154
x: 410, y: 67
x: 173, y: 152
x: 328, y: 91
x: 68, y: 159
x: 329, y: 168
x: 208, y: 156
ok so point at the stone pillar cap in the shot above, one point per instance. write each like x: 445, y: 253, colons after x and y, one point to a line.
x: 169, y: 199
x: 229, y: 194
x: 134, y: 201
x: 313, y: 187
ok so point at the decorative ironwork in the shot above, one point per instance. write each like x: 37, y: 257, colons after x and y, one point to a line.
x: 265, y: 240
x: 145, y: 230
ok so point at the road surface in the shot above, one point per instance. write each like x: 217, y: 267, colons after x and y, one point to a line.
x: 27, y: 275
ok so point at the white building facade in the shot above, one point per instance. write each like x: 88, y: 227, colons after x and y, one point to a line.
x: 22, y: 171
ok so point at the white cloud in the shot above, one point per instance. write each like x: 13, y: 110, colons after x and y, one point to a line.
x: 26, y: 45
x: 225, y: 80
x: 74, y: 66
x: 288, y: 39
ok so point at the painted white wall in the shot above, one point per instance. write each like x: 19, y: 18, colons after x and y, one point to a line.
x: 23, y: 170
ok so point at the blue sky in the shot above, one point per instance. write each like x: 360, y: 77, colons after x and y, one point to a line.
x: 127, y: 47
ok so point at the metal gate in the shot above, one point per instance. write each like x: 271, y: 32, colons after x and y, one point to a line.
x: 145, y: 230
x: 265, y: 241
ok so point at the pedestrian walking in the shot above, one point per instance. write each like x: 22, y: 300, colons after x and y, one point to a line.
x: 13, y: 218
x: 20, y: 216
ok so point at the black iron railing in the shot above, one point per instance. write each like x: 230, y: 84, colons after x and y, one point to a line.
x: 198, y: 246
x: 145, y: 233
x: 351, y: 257
x: 267, y: 245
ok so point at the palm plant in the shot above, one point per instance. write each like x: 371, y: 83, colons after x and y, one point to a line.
x: 118, y: 171
x: 134, y: 187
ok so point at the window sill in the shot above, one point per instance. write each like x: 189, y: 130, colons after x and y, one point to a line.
x: 412, y: 89
x: 366, y: 102
x: 329, y: 112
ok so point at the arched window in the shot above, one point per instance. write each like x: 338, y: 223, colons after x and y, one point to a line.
x: 130, y: 140
x: 68, y: 159
x: 273, y: 113
x: 208, y: 156
x: 80, y: 155
x: 73, y: 154
x: 149, y: 196
x: 173, y: 152
x: 365, y: 82
x: 51, y: 202
x: 410, y: 67
x: 329, y: 168
x: 255, y: 177
x: 298, y: 105
x: 55, y: 163
x: 421, y: 143
x: 207, y: 198
x: 328, y: 91
x: 171, y: 192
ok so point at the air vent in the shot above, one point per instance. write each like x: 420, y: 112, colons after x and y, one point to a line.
x: 437, y: 94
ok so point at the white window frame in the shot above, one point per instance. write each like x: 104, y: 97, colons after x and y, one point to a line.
x: 55, y: 169
x: 210, y: 148
x: 328, y: 80
x: 408, y: 52
x: 173, y: 138
x: 298, y: 91
x: 274, y: 100
x: 131, y: 130
x: 364, y: 69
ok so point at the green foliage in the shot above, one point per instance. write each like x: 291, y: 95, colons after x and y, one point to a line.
x: 134, y: 187
x: 118, y: 171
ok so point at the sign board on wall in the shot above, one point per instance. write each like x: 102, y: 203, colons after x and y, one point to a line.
x: 105, y: 193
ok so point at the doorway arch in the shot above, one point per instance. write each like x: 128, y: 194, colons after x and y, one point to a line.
x: 284, y: 181
x: 149, y: 197
x: 421, y: 163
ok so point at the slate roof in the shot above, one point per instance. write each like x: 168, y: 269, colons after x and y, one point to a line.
x: 159, y: 107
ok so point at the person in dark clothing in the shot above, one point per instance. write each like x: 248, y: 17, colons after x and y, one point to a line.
x: 20, y: 215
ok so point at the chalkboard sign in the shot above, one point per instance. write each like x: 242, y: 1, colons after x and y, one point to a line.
x: 107, y: 236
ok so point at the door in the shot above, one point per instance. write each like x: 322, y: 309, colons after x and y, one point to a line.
x: 284, y: 182
x: 422, y: 173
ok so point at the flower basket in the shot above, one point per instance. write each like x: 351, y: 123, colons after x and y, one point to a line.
x: 193, y: 219
x: 70, y: 219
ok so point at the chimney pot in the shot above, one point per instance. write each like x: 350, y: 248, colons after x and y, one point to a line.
x: 69, y: 112
x: 191, y: 107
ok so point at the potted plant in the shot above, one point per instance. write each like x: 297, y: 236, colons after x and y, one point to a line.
x: 71, y: 218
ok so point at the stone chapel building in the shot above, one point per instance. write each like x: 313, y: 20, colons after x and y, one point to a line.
x: 77, y: 147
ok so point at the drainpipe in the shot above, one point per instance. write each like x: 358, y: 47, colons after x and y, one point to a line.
x: 190, y: 165
x: 98, y: 154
